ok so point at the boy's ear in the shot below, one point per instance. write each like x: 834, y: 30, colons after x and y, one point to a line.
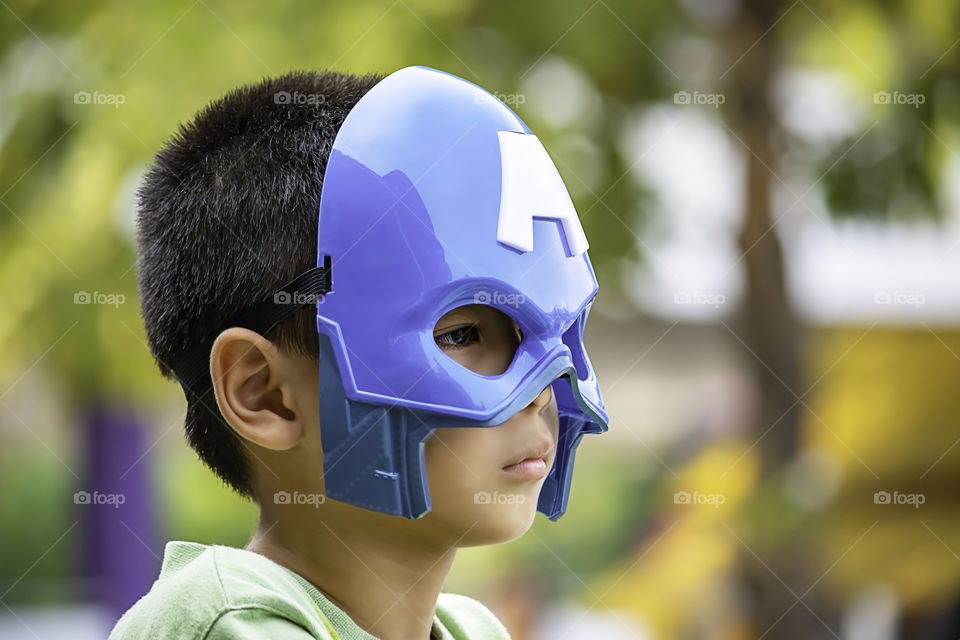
x: 254, y: 383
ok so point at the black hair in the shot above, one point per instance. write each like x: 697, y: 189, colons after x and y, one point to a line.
x: 228, y: 213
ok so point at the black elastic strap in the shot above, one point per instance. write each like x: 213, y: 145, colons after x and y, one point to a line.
x: 194, y: 365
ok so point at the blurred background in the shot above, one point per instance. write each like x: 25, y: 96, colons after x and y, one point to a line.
x: 772, y: 195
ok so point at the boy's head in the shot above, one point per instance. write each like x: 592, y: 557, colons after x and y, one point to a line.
x: 429, y: 192
x: 270, y: 397
x: 228, y: 213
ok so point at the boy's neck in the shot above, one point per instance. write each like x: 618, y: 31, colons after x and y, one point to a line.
x: 367, y: 564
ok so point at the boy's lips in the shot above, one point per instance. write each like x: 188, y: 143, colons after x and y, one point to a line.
x: 528, y: 469
x: 537, y: 450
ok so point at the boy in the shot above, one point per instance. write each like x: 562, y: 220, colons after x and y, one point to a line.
x: 394, y: 378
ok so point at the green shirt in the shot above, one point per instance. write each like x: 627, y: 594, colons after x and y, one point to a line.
x: 214, y: 592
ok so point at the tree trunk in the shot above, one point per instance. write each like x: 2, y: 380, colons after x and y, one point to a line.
x: 769, y: 329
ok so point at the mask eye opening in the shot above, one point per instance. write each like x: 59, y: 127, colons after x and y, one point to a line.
x: 479, y: 337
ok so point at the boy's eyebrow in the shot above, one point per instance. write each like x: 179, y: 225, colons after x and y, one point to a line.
x: 454, y: 323
x: 458, y: 313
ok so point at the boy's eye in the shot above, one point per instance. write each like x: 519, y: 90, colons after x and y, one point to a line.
x: 479, y: 337
x: 457, y: 338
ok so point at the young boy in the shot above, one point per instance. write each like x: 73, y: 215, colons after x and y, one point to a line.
x: 394, y: 377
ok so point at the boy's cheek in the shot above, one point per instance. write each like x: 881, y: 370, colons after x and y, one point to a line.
x: 450, y: 469
x: 467, y: 450
x: 460, y: 466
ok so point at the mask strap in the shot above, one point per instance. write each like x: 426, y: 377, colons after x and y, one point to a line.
x: 304, y: 290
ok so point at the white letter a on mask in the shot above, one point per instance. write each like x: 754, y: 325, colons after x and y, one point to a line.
x: 531, y: 186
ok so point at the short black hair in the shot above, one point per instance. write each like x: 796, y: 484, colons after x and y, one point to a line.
x: 228, y: 212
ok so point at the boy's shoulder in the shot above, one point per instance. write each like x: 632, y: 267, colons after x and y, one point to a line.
x: 214, y: 592
x: 464, y: 617
x: 206, y: 592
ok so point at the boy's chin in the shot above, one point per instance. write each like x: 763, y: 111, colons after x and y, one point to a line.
x: 487, y: 524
